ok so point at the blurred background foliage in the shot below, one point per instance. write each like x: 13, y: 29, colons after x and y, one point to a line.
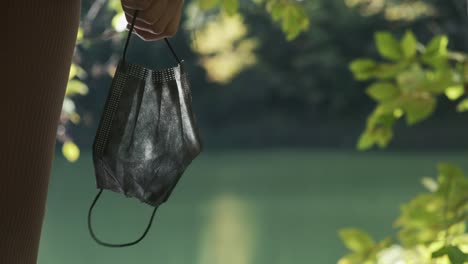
x: 282, y: 67
x: 272, y: 73
x: 305, y: 74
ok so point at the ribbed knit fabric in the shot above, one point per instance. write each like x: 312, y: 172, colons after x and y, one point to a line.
x: 39, y: 45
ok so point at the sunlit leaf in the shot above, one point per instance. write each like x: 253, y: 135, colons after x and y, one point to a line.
x: 438, y: 81
x: 114, y: 5
x: 430, y: 184
x: 436, y: 51
x: 208, y: 4
x: 276, y: 11
x: 366, y: 141
x: 73, y: 71
x: 388, y: 46
x: 75, y: 118
x: 421, y: 219
x: 408, y: 44
x: 389, y: 70
x: 383, y: 135
x: 76, y: 87
x: 409, y: 10
x: 231, y: 6
x: 398, y: 112
x: 119, y: 22
x: 225, y: 50
x: 438, y: 45
x: 381, y: 91
x: 76, y: 71
x: 463, y: 106
x: 411, y: 80
x: 356, y: 240
x: 383, y: 114
x: 290, y: 15
x: 363, y: 69
x: 419, y: 108
x: 79, y: 35
x: 70, y: 151
x: 454, y: 92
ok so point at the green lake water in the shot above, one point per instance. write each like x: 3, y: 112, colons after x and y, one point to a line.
x: 239, y: 207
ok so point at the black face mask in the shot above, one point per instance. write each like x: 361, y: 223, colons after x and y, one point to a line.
x: 147, y: 135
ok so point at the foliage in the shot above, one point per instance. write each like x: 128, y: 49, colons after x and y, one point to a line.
x: 363, y: 248
x: 288, y: 13
x: 230, y: 51
x: 75, y: 86
x: 222, y: 42
x: 409, y: 82
x: 224, y: 48
x: 394, y: 10
x: 431, y: 227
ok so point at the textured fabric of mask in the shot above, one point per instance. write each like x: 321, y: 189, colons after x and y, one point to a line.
x: 147, y: 134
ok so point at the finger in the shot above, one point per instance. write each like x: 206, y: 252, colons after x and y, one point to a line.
x: 137, y: 4
x: 138, y: 23
x: 173, y: 25
x: 172, y: 9
x: 153, y: 13
x: 147, y: 36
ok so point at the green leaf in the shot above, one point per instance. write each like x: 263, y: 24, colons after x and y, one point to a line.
x: 454, y: 92
x: 454, y: 253
x: 436, y: 51
x: 362, y: 69
x: 276, y: 11
x: 463, y: 106
x: 439, y: 80
x: 409, y: 44
x: 79, y: 35
x: 114, y: 5
x: 388, y: 46
x: 208, y: 4
x: 438, y: 45
x: 382, y: 91
x: 291, y: 21
x: 76, y: 71
x: 386, y: 110
x: 388, y: 70
x: 411, y: 80
x: 73, y: 71
x: 76, y: 87
x: 449, y: 169
x: 457, y: 256
x: 292, y: 17
x: 70, y: 151
x: 383, y: 135
x: 366, y: 141
x: 231, y: 6
x: 430, y: 184
x: 356, y: 240
x: 418, y: 109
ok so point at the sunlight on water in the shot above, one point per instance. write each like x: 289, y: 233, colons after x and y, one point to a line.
x: 228, y: 235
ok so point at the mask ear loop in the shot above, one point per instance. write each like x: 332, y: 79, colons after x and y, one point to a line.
x: 132, y: 25
x: 100, y: 242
